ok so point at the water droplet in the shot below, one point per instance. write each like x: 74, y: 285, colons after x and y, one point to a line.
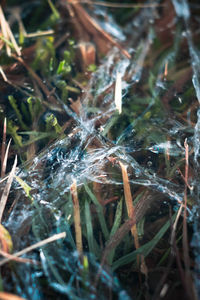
x: 184, y: 34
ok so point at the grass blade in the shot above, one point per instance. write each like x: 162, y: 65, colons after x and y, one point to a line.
x: 4, y: 164
x: 145, y: 249
x: 99, y: 212
x: 51, y: 239
x: 129, y: 202
x: 117, y: 222
x: 90, y: 235
x: 6, y: 190
x: 77, y: 219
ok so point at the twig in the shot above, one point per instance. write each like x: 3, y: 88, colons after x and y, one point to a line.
x: 37, y: 245
x: 6, y: 190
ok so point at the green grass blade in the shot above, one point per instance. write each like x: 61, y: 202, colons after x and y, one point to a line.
x: 117, y: 222
x: 88, y: 221
x: 145, y: 249
x: 99, y: 212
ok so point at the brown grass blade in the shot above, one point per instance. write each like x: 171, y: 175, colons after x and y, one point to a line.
x: 4, y: 31
x: 186, y: 277
x: 3, y: 74
x: 6, y: 190
x: 166, y: 69
x: 18, y: 259
x: 4, y: 164
x: 185, y: 236
x: 39, y: 33
x: 132, y: 215
x: 3, y: 146
x: 173, y: 234
x: 8, y: 35
x: 118, y: 5
x: 93, y: 27
x: 77, y: 219
x: 8, y: 296
x: 51, y: 239
x: 12, y: 39
x: 129, y: 202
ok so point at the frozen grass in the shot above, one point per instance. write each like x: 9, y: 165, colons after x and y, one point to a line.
x: 108, y: 152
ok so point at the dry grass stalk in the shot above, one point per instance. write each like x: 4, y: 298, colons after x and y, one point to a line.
x: 4, y: 164
x: 8, y: 296
x: 39, y: 34
x: 175, y: 224
x: 3, y: 146
x: 132, y: 215
x: 8, y: 35
x: 3, y: 74
x: 166, y: 69
x: 18, y: 259
x: 118, y: 5
x: 185, y: 237
x: 118, y: 92
x: 183, y: 177
x: 76, y: 106
x: 77, y: 219
x: 167, y: 153
x: 33, y: 247
x: 91, y: 26
x: 4, y: 179
x: 6, y: 190
x: 188, y: 277
x: 129, y: 202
